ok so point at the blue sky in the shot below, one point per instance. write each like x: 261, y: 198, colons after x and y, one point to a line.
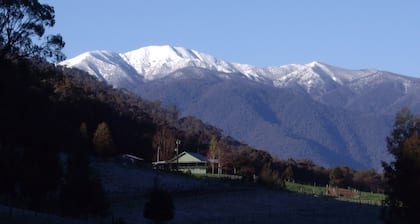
x: 381, y: 34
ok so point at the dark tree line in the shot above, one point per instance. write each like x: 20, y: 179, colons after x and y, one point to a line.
x: 43, y: 152
x: 403, y: 173
x: 239, y: 159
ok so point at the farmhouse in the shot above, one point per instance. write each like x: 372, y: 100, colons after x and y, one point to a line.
x: 187, y: 162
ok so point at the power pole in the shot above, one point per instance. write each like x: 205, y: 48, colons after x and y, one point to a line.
x: 158, y: 152
x: 177, y: 142
x: 219, y: 165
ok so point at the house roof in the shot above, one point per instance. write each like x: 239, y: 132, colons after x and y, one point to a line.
x: 194, y: 157
x: 128, y: 156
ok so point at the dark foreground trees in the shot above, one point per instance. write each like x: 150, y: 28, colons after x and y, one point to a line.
x: 44, y: 149
x: 22, y: 24
x: 403, y: 174
x: 160, y: 207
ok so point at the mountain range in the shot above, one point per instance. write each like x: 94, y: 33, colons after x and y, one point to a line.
x: 315, y: 111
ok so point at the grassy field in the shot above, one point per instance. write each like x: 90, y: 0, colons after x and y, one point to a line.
x: 209, y: 200
x: 359, y: 197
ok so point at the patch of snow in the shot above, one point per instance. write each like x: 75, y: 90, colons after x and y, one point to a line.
x: 162, y: 60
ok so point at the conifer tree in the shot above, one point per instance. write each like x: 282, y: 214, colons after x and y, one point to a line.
x: 82, y: 193
x: 160, y: 207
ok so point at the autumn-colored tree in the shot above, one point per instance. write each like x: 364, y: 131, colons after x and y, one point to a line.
x: 214, y: 153
x: 402, y: 175
x: 102, y: 140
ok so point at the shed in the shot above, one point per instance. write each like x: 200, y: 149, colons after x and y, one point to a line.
x: 128, y: 159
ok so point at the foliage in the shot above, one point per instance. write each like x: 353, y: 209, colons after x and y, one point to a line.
x: 38, y: 128
x: 102, y: 140
x: 337, y: 177
x: 341, y: 176
x: 271, y: 177
x: 22, y: 22
x: 402, y: 174
x: 81, y: 192
x: 367, y: 180
x: 213, y: 153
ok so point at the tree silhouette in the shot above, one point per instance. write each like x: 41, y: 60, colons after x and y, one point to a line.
x: 337, y: 177
x: 21, y: 21
x: 403, y: 174
x: 160, y: 207
x: 82, y: 193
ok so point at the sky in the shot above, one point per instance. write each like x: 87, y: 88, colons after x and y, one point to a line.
x: 356, y: 34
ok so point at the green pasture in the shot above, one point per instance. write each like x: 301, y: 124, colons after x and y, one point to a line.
x: 359, y: 196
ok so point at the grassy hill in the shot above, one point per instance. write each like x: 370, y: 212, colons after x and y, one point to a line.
x: 200, y: 200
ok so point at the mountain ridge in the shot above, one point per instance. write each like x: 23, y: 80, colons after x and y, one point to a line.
x: 316, y: 111
x: 155, y: 60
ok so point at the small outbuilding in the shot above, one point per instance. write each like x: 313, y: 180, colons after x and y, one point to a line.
x: 128, y: 159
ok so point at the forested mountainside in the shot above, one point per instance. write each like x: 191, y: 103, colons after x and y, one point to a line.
x: 315, y: 111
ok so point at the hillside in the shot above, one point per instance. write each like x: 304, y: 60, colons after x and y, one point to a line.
x: 316, y: 111
x: 207, y: 201
x: 221, y: 201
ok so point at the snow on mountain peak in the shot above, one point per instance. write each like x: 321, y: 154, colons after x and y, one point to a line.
x: 159, y: 60
x: 155, y: 62
x: 315, y: 64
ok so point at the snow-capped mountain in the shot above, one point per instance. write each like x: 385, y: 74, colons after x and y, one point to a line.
x: 314, y: 111
x: 156, y: 62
